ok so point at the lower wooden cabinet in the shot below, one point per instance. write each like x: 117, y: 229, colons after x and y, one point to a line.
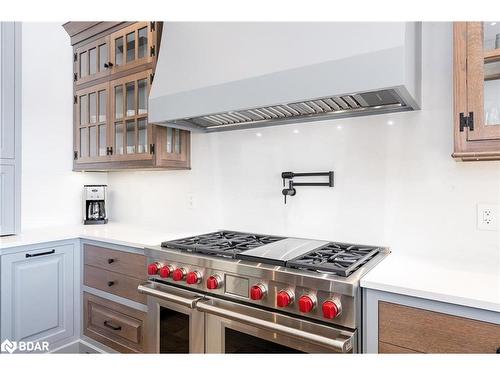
x: 404, y: 329
x: 118, y: 326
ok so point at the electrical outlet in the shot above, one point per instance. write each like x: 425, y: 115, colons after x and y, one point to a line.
x: 487, y: 214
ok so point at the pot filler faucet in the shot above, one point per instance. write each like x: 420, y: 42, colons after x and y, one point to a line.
x: 291, y: 191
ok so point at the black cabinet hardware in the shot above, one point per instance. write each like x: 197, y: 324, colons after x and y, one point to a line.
x: 110, y: 260
x: 75, y: 155
x: 111, y: 283
x: 112, y: 326
x: 498, y: 350
x: 109, y: 64
x: 40, y: 254
x: 152, y: 148
x: 466, y: 121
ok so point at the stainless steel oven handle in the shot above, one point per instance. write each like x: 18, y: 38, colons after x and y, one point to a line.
x: 339, y: 345
x: 149, y: 289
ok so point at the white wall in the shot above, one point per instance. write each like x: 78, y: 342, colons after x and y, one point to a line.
x: 395, y: 185
x: 51, y: 192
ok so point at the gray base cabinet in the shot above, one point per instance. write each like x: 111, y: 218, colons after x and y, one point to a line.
x: 37, y: 299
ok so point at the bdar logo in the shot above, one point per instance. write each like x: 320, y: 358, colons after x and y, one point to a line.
x: 8, y: 346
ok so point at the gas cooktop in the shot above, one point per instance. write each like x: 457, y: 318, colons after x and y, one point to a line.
x: 319, y: 256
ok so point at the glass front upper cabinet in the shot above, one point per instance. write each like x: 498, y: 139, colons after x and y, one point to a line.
x: 133, y: 46
x: 91, y: 61
x: 130, y: 124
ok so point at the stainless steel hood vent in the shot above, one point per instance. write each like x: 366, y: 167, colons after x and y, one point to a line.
x: 226, y: 76
x: 382, y: 101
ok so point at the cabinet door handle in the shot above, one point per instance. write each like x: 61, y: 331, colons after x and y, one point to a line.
x: 110, y: 260
x: 111, y: 283
x: 40, y: 254
x: 498, y: 350
x: 108, y: 65
x: 112, y: 326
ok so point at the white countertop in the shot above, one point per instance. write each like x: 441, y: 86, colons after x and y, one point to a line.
x: 116, y: 233
x: 436, y: 279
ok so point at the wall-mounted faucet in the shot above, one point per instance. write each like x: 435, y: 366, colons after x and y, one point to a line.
x: 290, y: 191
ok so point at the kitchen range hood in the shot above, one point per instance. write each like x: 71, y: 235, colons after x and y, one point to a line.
x: 228, y: 76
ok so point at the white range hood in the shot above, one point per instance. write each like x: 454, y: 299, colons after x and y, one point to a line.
x: 226, y: 76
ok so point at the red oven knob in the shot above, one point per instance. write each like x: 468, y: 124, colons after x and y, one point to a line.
x: 284, y: 298
x: 214, y: 282
x: 179, y: 274
x: 331, y: 309
x: 153, y: 268
x: 257, y: 292
x: 193, y: 277
x: 166, y: 271
x: 307, y: 303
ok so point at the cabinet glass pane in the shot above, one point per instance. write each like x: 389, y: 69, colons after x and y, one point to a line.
x: 170, y: 136
x: 177, y: 141
x: 84, y: 142
x: 130, y: 124
x: 102, y: 105
x: 119, y: 51
x: 119, y: 138
x: 142, y: 88
x: 93, y: 61
x: 131, y: 47
x: 102, y: 140
x: 93, y: 107
x: 93, y: 141
x: 119, y: 102
x: 142, y: 144
x: 84, y: 69
x: 130, y: 89
x: 103, y: 56
x: 84, y: 108
x: 142, y: 42
x: 491, y: 35
x: 492, y: 93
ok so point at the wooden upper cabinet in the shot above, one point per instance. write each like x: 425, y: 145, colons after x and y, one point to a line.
x: 477, y: 90
x: 114, y: 65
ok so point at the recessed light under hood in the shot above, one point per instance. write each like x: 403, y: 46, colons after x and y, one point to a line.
x: 362, y: 80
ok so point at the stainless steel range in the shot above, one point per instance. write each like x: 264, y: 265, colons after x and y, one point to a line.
x: 234, y: 292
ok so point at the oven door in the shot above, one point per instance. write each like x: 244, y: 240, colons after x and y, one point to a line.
x: 235, y: 328
x: 174, y: 324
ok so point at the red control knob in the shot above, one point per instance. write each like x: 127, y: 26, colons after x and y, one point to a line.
x: 193, y: 277
x: 306, y: 304
x: 331, y: 309
x: 179, y: 274
x: 165, y: 271
x: 284, y: 298
x: 153, y: 268
x: 214, y: 282
x: 257, y: 292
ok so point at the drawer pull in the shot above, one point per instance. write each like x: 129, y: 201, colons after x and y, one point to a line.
x: 40, y: 254
x: 110, y: 260
x: 112, y: 326
x: 498, y: 350
x: 111, y: 283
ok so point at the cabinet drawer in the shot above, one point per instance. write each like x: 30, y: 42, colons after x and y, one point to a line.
x: 133, y: 265
x: 432, y: 332
x: 113, y: 282
x: 117, y: 326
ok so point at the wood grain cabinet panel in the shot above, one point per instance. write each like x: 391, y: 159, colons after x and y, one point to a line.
x: 115, y: 283
x: 407, y: 328
x: 117, y: 326
x: 129, y: 264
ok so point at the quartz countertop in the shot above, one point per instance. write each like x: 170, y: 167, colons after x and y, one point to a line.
x: 116, y: 233
x: 437, y: 279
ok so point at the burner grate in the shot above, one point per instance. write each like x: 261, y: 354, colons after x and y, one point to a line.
x: 336, y: 258
x: 223, y: 243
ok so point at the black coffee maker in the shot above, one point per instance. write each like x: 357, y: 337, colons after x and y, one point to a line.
x: 94, y: 200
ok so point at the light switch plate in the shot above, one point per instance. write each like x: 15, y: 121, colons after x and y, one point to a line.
x: 487, y: 216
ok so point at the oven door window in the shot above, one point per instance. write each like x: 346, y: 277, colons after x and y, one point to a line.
x: 238, y: 342
x: 174, y: 332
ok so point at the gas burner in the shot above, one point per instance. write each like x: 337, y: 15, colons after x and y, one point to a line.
x: 334, y: 258
x: 223, y: 243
